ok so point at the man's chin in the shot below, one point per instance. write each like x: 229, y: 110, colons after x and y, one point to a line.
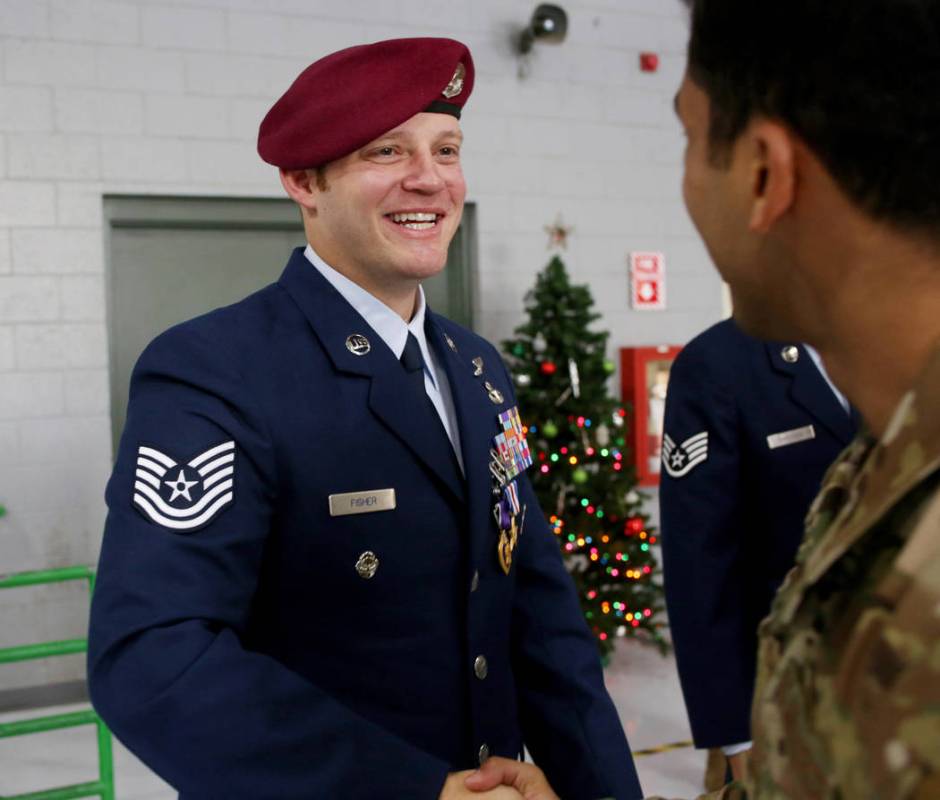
x: 422, y: 264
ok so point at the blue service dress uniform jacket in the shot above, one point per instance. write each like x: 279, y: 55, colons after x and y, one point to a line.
x: 245, y: 653
x: 751, y: 427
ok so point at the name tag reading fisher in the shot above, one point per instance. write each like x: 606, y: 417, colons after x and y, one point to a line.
x: 362, y: 502
x: 784, y: 438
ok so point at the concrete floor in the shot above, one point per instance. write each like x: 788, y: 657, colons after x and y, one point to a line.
x: 643, y: 684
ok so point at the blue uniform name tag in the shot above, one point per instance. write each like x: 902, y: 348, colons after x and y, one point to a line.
x: 362, y: 502
x: 785, y: 438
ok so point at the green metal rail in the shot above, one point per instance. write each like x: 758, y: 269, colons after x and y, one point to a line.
x: 104, y: 786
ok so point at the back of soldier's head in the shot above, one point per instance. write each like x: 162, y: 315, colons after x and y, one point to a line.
x: 857, y: 80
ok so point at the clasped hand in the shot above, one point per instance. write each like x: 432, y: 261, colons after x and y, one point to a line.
x: 498, y: 779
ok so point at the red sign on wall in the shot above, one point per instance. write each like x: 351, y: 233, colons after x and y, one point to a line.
x: 647, y: 281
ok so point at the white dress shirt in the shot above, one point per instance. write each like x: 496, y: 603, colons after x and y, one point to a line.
x: 393, y: 330
x: 819, y: 365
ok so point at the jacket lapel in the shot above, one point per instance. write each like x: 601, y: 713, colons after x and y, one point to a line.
x: 477, y: 418
x: 809, y: 390
x: 391, y: 397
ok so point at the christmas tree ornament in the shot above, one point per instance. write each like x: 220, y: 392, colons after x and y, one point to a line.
x: 632, y: 497
x: 558, y: 234
x: 522, y: 379
x: 579, y: 475
x: 602, y: 435
x: 518, y: 349
x: 538, y: 343
x: 550, y: 429
x: 617, y: 419
x: 609, y: 366
x: 548, y: 367
x: 575, y: 377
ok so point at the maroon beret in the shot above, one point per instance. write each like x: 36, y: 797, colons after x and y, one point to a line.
x: 348, y: 98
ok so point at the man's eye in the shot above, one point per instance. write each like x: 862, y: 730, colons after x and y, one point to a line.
x: 447, y: 150
x: 385, y: 151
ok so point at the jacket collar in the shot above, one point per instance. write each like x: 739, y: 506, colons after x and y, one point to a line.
x: 809, y: 390
x: 336, y: 324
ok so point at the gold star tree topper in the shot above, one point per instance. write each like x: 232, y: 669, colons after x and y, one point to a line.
x: 558, y: 234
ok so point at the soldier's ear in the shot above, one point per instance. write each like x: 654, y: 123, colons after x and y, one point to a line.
x: 301, y: 186
x: 772, y: 173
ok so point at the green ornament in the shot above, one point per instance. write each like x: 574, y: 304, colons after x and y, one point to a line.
x: 579, y: 475
x: 518, y: 349
x: 3, y: 511
x: 609, y: 366
x: 550, y: 429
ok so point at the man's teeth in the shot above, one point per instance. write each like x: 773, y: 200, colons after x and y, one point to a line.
x: 416, y: 221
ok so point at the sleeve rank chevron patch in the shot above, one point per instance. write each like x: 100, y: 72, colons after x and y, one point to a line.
x: 680, y: 459
x: 184, y: 496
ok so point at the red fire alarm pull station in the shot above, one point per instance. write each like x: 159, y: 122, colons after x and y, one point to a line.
x: 649, y: 62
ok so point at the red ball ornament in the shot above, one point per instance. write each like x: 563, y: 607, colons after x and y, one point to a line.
x: 548, y: 368
x: 634, y: 525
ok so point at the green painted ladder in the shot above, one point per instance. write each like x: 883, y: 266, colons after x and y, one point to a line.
x: 104, y: 786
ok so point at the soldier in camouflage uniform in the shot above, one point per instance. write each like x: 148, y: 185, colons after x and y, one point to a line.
x: 848, y: 691
x: 830, y: 167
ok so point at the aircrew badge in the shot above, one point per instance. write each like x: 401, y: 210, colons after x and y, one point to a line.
x: 184, y: 496
x: 510, y: 457
x: 680, y: 459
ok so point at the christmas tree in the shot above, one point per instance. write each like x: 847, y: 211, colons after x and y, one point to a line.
x: 583, y: 475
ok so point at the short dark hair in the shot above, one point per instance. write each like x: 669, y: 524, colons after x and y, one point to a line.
x: 857, y: 80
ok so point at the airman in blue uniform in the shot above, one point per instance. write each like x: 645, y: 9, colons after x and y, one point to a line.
x: 324, y: 572
x: 750, y: 428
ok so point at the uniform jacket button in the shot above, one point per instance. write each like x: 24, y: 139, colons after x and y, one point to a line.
x: 484, y: 753
x: 480, y: 667
x: 475, y: 580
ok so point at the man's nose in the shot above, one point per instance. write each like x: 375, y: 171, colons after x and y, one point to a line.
x: 423, y: 174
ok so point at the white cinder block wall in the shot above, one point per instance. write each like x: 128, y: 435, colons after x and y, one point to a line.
x: 165, y: 96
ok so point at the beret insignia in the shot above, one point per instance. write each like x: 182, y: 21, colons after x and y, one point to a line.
x: 455, y: 86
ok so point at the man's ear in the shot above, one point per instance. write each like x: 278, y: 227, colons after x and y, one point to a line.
x: 301, y: 186
x: 773, y: 173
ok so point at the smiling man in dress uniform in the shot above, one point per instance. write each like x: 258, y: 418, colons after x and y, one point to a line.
x: 325, y: 574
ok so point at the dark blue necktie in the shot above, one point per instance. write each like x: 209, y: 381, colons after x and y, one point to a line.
x: 411, y: 358
x: 413, y: 362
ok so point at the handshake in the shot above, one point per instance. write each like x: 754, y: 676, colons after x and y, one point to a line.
x: 498, y: 779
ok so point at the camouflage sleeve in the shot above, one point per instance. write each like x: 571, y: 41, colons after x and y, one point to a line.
x: 890, y: 672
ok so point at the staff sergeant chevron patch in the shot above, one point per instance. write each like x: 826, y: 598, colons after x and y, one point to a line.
x: 187, y: 496
x: 681, y: 459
